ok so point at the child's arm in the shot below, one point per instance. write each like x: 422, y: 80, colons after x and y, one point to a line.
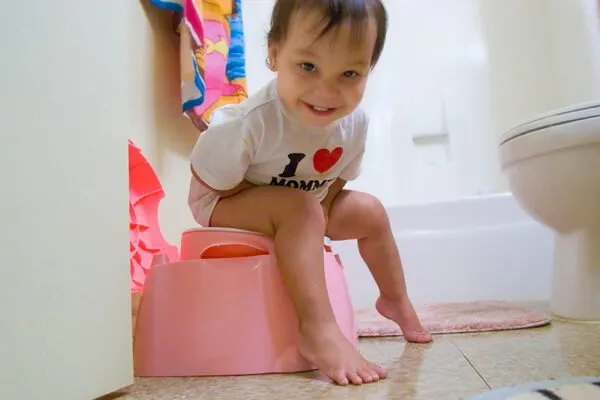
x: 223, y: 154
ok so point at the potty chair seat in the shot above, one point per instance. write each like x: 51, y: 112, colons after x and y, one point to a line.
x: 223, y: 309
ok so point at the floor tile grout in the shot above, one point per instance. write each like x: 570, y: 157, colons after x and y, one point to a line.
x: 470, y: 363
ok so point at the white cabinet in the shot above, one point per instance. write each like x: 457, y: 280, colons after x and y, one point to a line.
x: 65, y: 328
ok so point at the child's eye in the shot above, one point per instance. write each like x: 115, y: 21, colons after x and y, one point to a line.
x: 308, y: 67
x: 350, y: 74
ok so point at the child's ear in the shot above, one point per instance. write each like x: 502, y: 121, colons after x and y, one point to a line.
x: 272, y: 56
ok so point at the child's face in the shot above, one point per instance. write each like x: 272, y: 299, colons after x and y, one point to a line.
x: 322, y: 80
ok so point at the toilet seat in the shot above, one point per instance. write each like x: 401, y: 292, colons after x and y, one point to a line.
x: 540, y: 123
x: 559, y: 130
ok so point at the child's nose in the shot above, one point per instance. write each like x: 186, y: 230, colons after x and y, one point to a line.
x: 327, y: 89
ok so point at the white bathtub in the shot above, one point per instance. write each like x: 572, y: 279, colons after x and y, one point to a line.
x: 480, y: 248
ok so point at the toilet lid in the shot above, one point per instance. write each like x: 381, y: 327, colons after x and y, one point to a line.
x: 557, y: 117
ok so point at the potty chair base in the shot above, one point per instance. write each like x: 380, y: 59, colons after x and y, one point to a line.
x: 224, y: 310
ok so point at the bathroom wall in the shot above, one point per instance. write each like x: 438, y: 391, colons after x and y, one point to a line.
x: 453, y: 77
x: 65, y: 324
x: 576, y: 53
x: 430, y: 106
x: 160, y: 130
x: 543, y: 54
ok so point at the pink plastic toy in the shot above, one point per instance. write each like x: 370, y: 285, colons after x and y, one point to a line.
x: 223, y: 309
x: 146, y: 240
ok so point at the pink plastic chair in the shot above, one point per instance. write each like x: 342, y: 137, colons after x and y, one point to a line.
x: 223, y: 309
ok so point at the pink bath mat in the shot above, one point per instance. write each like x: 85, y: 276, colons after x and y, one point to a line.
x: 479, y: 316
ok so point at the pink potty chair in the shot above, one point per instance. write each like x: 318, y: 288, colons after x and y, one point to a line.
x: 222, y: 309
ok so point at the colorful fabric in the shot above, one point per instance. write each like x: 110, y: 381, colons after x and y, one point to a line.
x: 212, y: 55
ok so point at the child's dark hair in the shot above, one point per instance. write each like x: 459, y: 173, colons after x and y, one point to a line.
x: 334, y: 12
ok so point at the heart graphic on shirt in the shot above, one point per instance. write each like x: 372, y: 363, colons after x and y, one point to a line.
x: 324, y: 159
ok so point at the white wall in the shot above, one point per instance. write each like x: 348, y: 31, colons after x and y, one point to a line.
x: 432, y: 79
x: 158, y: 126
x: 576, y: 52
x: 466, y: 70
x: 65, y: 305
x: 548, y: 58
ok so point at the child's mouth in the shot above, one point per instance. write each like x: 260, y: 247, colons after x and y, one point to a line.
x: 320, y: 111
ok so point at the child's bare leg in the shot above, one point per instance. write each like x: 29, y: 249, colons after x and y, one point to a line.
x: 356, y: 215
x: 295, y: 219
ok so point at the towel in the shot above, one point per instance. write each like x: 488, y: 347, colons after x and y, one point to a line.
x: 212, y: 55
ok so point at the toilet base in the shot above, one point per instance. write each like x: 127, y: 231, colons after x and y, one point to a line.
x: 576, y: 288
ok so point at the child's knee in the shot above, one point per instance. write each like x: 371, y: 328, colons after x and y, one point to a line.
x: 375, y: 213
x: 295, y: 204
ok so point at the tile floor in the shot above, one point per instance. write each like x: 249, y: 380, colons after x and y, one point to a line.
x: 451, y: 368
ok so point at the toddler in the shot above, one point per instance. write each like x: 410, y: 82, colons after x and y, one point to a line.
x: 277, y: 164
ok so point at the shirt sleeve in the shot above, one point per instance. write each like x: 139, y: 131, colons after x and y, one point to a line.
x: 361, y: 127
x: 224, y: 151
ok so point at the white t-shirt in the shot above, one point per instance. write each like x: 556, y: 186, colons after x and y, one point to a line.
x: 259, y: 141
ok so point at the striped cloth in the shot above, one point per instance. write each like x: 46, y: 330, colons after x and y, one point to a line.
x: 575, y: 388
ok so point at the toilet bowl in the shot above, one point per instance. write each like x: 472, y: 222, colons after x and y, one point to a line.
x: 552, y: 163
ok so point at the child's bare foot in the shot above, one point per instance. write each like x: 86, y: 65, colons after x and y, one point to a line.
x: 329, y: 350
x: 403, y: 313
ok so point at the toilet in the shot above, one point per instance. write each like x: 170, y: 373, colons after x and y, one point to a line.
x: 222, y: 309
x: 552, y: 163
